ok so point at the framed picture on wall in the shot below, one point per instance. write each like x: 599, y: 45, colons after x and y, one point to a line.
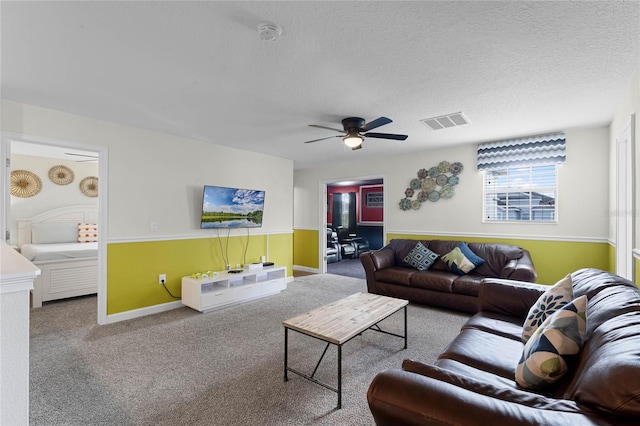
x: 371, y: 204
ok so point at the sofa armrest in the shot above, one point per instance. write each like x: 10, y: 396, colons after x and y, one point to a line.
x: 442, y: 397
x: 508, y: 297
x: 373, y: 261
x: 521, y: 269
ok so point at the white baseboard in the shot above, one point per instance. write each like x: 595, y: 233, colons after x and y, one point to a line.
x: 307, y: 269
x: 137, y: 313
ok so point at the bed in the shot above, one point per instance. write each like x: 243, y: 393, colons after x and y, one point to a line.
x: 63, y: 244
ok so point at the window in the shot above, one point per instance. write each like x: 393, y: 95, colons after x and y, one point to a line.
x: 520, y: 182
x: 526, y: 194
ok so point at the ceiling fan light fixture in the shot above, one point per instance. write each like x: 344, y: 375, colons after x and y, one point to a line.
x: 353, y: 139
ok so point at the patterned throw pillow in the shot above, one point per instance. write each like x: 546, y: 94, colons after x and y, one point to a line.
x: 462, y: 260
x: 544, y: 359
x: 87, y: 232
x: 421, y: 257
x: 550, y: 301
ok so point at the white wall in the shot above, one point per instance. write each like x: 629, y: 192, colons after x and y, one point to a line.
x: 51, y: 196
x: 582, y: 205
x: 157, y: 177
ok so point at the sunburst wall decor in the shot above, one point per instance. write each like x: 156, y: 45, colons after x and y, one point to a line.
x: 431, y: 184
x: 25, y: 184
x: 61, y: 175
x: 89, y: 186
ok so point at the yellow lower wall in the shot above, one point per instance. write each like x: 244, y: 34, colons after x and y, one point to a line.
x: 133, y: 268
x: 305, y: 248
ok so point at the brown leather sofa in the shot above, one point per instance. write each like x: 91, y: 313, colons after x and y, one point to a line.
x: 387, y: 273
x: 472, y: 382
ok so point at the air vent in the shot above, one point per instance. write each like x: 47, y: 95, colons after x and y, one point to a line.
x: 446, y: 121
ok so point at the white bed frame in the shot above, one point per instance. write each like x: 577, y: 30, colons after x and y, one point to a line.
x: 63, y: 278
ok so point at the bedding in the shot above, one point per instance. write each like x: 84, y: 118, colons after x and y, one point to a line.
x: 39, y: 252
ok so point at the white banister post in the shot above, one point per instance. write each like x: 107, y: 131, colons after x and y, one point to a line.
x: 16, y: 281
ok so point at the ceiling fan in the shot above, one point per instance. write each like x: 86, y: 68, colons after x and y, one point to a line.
x: 355, y: 130
x: 90, y: 157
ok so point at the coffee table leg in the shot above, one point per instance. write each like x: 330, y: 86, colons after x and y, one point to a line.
x: 405, y: 327
x: 339, y: 376
x: 286, y: 347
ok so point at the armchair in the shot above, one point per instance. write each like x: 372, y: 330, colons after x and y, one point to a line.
x: 333, y: 247
x: 352, y: 245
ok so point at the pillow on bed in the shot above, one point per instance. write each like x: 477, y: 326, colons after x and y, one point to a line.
x: 54, y: 232
x: 87, y: 232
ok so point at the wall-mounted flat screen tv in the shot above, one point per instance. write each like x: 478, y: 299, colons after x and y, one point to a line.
x: 231, y: 208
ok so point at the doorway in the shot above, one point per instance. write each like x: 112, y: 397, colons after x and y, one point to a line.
x: 40, y: 156
x: 353, y: 217
x: 624, y: 200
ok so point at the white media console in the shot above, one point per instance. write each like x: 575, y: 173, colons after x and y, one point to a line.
x: 224, y: 288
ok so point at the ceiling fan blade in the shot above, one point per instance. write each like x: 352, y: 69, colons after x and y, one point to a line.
x: 321, y: 139
x: 356, y: 147
x: 328, y: 128
x: 386, y: 136
x: 81, y: 155
x: 375, y: 123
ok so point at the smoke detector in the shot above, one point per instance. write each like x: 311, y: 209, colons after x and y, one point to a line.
x: 269, y: 31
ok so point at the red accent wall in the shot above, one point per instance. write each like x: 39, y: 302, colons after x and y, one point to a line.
x: 364, y: 213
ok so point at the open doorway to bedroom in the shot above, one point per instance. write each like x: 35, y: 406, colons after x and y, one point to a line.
x: 354, y: 224
x: 52, y: 202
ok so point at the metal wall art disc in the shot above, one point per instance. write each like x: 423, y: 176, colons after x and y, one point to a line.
x: 25, y: 184
x: 89, y: 186
x: 61, y: 175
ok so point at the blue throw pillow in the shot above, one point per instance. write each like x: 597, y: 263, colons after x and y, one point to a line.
x: 421, y: 257
x: 462, y: 260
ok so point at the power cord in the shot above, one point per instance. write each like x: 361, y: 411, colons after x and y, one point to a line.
x: 165, y: 287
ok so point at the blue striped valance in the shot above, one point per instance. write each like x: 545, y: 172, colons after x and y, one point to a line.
x: 541, y: 150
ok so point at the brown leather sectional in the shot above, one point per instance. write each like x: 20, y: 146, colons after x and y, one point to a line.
x: 387, y: 273
x: 473, y: 381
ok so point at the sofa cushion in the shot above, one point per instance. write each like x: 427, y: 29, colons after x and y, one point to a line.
x: 496, y: 257
x: 608, y: 378
x: 496, y: 323
x: 467, y: 284
x: 462, y: 260
x: 421, y: 257
x: 434, y: 280
x: 550, y: 301
x: 485, y: 351
x: 544, y: 358
x: 395, y: 275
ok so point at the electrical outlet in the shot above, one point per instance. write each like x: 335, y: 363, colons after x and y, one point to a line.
x: 162, y: 279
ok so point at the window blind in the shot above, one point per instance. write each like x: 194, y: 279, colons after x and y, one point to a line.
x: 532, y: 151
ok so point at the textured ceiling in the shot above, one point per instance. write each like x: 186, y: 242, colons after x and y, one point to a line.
x: 200, y: 70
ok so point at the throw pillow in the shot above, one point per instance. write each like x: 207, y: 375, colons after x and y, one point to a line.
x: 545, y: 355
x: 550, y: 301
x: 462, y: 260
x: 421, y: 257
x: 87, y: 232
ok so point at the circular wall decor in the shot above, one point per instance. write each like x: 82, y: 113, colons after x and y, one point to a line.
x: 89, y: 186
x: 61, y: 175
x: 25, y: 184
x: 432, y: 184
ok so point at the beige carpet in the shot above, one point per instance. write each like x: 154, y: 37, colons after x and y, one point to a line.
x: 219, y: 368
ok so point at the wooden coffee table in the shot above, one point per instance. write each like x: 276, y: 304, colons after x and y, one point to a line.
x: 339, y: 322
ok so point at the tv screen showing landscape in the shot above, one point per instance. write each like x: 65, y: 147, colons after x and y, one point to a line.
x: 231, y: 208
